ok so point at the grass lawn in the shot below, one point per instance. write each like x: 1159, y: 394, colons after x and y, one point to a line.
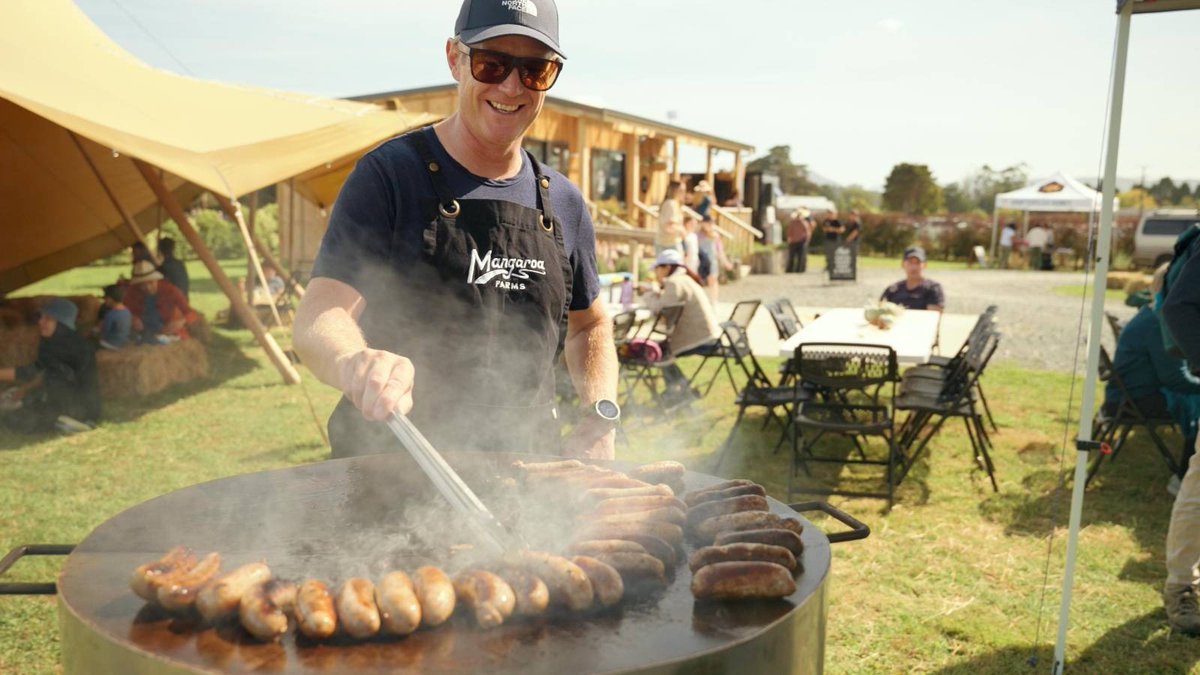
x: 952, y: 580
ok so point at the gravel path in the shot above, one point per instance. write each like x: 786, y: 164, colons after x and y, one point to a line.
x: 1039, y: 325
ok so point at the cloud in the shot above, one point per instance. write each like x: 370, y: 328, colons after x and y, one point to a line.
x: 891, y: 25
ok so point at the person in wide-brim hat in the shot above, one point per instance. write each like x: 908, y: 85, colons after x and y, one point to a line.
x: 158, y: 307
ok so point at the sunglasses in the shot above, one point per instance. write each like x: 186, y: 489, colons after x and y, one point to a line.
x: 492, y: 67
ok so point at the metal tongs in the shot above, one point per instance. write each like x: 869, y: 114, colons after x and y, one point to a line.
x: 451, y: 486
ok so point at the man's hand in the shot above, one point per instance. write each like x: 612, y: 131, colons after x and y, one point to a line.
x: 377, y: 382
x: 592, y: 438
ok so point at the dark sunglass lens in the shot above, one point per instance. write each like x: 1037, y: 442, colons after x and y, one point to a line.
x: 539, y: 74
x: 489, y: 67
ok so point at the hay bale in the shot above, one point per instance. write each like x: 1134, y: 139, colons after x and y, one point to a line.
x: 28, y: 307
x: 1118, y: 281
x: 148, y: 369
x: 18, y: 346
x: 1140, y: 283
x: 11, y: 318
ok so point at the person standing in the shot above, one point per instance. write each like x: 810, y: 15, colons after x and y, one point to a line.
x: 172, y: 268
x: 1006, y: 244
x: 670, y: 220
x: 712, y: 254
x: 704, y: 202
x: 853, y: 230
x: 832, y: 227
x: 456, y: 266
x: 1036, y: 239
x: 798, y: 233
x: 1181, y: 316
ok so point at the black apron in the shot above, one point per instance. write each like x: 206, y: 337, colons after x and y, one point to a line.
x: 481, y: 311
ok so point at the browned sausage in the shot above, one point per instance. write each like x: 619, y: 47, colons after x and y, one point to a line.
x: 356, y: 609
x: 535, y: 467
x: 219, y: 600
x: 668, y: 532
x: 657, y: 548
x: 742, y: 581
x: 596, y: 495
x: 435, y: 592
x: 694, y: 499
x: 694, y: 495
x: 702, y: 512
x: 569, y: 585
x: 315, y: 614
x: 666, y: 471
x: 260, y: 616
x: 639, y: 503
x: 489, y: 597
x: 178, y: 591
x: 606, y: 580
x: 636, y: 568
x: 146, y: 578
x: 531, y: 593
x: 746, y: 520
x: 399, y: 608
x: 743, y: 552
x: 775, y: 537
x: 668, y: 514
x: 617, y: 481
x: 592, y: 547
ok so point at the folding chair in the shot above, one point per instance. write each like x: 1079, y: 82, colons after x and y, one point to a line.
x: 938, y: 367
x: 741, y: 316
x: 956, y: 396
x: 1115, y: 325
x: 635, y: 368
x: 852, y: 378
x: 787, y: 324
x: 1117, y: 426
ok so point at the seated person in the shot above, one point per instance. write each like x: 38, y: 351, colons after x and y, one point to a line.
x: 160, y: 312
x: 273, y: 282
x: 60, y: 388
x: 697, y: 331
x: 915, y: 291
x: 1159, y: 384
x: 117, y: 323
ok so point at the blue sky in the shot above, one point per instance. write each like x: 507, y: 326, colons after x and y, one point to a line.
x: 853, y: 86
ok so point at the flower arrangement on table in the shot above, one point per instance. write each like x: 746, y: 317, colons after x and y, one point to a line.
x: 882, y: 314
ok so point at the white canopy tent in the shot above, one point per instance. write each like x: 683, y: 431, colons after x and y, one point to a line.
x: 1059, y: 193
x: 1125, y: 11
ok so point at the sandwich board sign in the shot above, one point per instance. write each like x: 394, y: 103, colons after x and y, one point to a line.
x: 841, y: 260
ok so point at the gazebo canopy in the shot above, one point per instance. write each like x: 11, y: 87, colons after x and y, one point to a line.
x: 1058, y: 193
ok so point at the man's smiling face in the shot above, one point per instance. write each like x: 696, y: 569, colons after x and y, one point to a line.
x: 497, y: 114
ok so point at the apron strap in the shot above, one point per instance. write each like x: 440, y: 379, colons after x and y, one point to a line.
x: 543, y: 189
x: 447, y: 205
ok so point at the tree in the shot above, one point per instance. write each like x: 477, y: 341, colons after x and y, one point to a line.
x: 911, y: 189
x: 1164, y: 191
x: 1137, y: 198
x: 983, y: 185
x: 793, y: 178
x: 957, y: 199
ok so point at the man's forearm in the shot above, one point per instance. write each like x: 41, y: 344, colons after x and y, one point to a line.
x: 323, y: 338
x: 592, y: 360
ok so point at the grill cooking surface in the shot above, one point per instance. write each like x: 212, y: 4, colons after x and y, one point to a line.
x: 369, y: 515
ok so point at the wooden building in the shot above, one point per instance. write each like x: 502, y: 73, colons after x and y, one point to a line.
x: 620, y: 162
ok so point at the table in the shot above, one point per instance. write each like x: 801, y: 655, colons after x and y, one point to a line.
x: 912, y: 335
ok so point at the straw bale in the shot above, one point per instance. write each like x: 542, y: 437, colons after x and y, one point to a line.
x: 1117, y: 281
x: 1140, y: 283
x: 148, y: 369
x: 11, y: 318
x: 27, y: 307
x: 18, y: 346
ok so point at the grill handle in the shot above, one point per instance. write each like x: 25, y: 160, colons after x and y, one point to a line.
x: 31, y: 549
x: 858, y: 529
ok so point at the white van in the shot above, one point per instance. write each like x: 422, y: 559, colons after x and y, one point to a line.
x: 1154, y: 240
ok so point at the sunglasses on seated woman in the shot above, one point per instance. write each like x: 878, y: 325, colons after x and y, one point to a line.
x: 492, y: 67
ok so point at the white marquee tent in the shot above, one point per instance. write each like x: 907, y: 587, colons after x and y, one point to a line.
x: 1059, y: 193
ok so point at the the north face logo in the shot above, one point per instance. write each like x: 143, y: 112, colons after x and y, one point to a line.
x: 526, y: 6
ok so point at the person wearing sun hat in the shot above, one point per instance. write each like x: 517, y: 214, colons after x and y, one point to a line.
x: 456, y: 259
x: 60, y: 388
x: 160, y: 312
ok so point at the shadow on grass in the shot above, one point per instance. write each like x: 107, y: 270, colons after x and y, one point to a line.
x: 227, y: 361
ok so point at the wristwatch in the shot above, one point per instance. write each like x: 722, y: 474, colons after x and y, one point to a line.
x: 606, y: 410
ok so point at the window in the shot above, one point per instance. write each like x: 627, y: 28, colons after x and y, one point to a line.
x: 552, y: 153
x: 608, y: 176
x: 1169, y: 227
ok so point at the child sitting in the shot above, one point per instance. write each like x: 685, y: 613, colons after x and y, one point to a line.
x: 117, y: 324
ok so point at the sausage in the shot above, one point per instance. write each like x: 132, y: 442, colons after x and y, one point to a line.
x: 618, y: 481
x: 606, y: 580
x: 745, y: 520
x: 742, y: 581
x: 435, y: 592
x: 743, y: 552
x: 489, y: 597
x: 259, y: 614
x: 591, y: 547
x: 693, y: 499
x: 356, y: 609
x: 399, y: 608
x: 668, y: 532
x: 581, y: 474
x: 695, y: 496
x: 636, y: 568
x: 178, y: 591
x: 146, y: 578
x: 775, y: 537
x: 638, y: 503
x: 535, y: 467
x: 531, y: 593
x: 596, y: 495
x: 655, y: 547
x: 569, y: 585
x: 702, y: 512
x: 668, y: 514
x: 219, y: 600
x: 316, y: 617
x: 667, y: 471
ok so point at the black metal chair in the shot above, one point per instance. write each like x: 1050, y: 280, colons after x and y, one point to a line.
x: 1115, y: 325
x: 787, y: 324
x: 938, y: 368
x: 1116, y: 427
x: 849, y: 380
x: 636, y: 368
x: 956, y: 396
x: 743, y: 312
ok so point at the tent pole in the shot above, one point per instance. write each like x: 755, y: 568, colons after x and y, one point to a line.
x: 1103, y: 250
x: 995, y: 225
x: 234, y: 211
x: 243, y: 311
x: 112, y: 197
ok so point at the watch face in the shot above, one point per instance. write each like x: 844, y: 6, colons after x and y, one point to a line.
x: 607, y: 409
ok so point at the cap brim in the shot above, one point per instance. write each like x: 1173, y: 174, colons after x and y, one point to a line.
x: 471, y: 37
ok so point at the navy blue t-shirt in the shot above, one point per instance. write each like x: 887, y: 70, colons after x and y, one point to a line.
x: 386, y: 195
x: 927, y: 293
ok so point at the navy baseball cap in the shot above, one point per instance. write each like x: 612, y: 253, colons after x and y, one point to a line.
x: 480, y: 20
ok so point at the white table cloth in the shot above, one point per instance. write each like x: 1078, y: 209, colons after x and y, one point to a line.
x: 912, y: 335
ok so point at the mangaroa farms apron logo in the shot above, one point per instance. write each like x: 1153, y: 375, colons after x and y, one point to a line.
x: 507, y: 272
x: 520, y: 6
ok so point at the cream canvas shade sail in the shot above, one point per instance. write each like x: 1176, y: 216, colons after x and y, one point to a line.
x: 64, y: 76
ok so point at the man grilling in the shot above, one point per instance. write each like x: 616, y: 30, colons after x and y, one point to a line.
x: 456, y: 268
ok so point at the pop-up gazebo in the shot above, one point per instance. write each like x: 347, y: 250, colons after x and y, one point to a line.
x: 1059, y: 193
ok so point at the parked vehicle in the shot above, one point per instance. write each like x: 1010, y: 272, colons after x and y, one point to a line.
x: 1154, y: 239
